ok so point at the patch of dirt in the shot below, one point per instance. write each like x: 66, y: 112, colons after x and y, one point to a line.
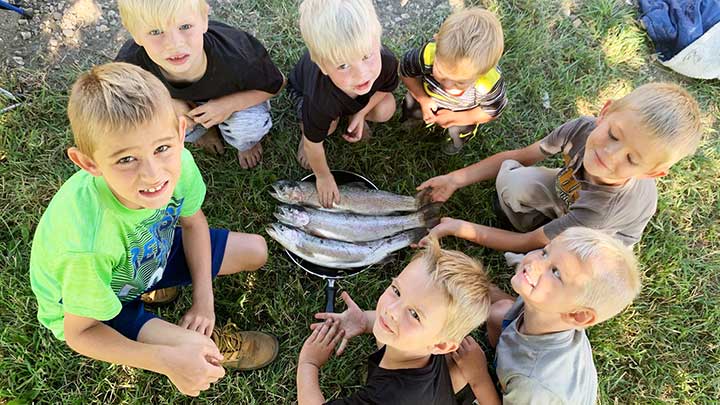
x: 80, y: 33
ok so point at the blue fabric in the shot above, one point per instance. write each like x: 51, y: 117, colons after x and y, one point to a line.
x: 674, y: 24
x: 133, y: 316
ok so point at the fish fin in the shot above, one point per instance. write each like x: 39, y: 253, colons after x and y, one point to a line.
x: 357, y: 184
x: 424, y: 197
x: 430, y: 214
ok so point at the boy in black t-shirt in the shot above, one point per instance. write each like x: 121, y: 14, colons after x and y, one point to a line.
x: 345, y: 73
x: 216, y: 74
x: 419, y: 324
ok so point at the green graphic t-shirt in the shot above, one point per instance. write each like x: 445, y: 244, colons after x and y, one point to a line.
x: 90, y: 253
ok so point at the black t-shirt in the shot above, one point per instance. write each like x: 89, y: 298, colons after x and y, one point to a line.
x: 323, y: 102
x: 429, y: 385
x: 236, y: 61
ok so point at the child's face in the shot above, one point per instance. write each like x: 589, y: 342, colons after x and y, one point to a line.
x: 178, y: 46
x: 411, y: 313
x: 356, y: 77
x: 619, y: 149
x: 551, y: 279
x: 142, y: 167
x: 454, y: 79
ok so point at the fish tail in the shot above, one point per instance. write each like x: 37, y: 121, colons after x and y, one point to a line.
x: 424, y: 197
x: 430, y: 214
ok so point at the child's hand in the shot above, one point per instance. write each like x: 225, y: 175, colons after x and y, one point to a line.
x: 447, y: 226
x: 443, y: 187
x: 192, y: 367
x: 352, y: 321
x: 328, y: 192
x: 428, y: 109
x: 320, y: 344
x: 471, y: 361
x: 211, y: 113
x: 200, y: 318
x: 355, y: 128
x: 447, y: 118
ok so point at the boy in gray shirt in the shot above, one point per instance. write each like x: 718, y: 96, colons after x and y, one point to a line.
x: 607, y: 181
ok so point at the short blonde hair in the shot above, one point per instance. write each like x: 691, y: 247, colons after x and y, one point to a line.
x: 473, y: 34
x: 339, y: 31
x: 115, y: 98
x: 614, y: 280
x: 465, y: 285
x: 136, y: 14
x: 669, y: 113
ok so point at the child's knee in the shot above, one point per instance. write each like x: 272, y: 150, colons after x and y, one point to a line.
x: 258, y: 245
x: 384, y: 110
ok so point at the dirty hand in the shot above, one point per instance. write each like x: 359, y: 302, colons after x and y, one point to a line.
x: 320, y: 344
x: 470, y: 359
x: 352, y: 321
x: 442, y: 187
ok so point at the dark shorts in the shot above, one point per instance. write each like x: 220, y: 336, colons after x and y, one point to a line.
x: 133, y: 316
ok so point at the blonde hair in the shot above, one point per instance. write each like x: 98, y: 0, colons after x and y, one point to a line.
x: 115, y: 98
x: 136, y: 14
x: 339, y: 31
x: 474, y: 34
x: 669, y: 113
x: 465, y: 285
x: 614, y: 276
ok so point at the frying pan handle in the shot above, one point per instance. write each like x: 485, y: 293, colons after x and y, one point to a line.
x: 330, y: 295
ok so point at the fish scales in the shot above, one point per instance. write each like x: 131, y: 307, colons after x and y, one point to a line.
x: 355, y: 199
x: 337, y: 254
x: 352, y: 227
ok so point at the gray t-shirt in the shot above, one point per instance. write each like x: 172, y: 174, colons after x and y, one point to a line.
x: 556, y: 368
x: 623, y: 211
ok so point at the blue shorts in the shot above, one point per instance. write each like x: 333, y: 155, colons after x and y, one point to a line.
x: 133, y: 316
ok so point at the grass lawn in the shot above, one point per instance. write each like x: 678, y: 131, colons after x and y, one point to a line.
x: 665, y: 348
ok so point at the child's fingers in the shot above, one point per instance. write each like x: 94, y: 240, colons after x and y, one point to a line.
x: 341, y: 348
x: 348, y: 300
x: 339, y: 334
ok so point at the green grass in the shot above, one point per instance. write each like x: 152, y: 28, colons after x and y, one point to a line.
x: 665, y: 348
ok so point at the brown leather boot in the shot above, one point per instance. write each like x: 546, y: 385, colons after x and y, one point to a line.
x: 245, y: 350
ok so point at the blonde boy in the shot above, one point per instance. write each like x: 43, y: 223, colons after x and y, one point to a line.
x: 425, y: 313
x: 583, y: 277
x: 111, y: 233
x: 454, y: 81
x: 607, y: 181
x: 346, y: 72
x: 217, y: 75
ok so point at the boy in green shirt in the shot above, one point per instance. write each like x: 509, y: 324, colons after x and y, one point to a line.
x: 109, y: 235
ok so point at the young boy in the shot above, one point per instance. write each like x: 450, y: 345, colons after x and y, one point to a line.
x: 110, y: 234
x: 346, y: 72
x: 606, y: 183
x: 454, y: 81
x: 583, y: 277
x: 216, y: 74
x: 426, y: 311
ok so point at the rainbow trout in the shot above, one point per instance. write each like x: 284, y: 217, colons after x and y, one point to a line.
x: 337, y: 254
x: 354, y: 199
x: 353, y: 227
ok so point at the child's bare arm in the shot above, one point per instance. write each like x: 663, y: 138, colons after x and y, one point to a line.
x: 470, y: 364
x: 353, y: 321
x: 444, y: 186
x: 314, y: 354
x: 188, y: 366
x: 325, y: 182
x: 494, y: 238
x: 427, y: 105
x: 219, y: 109
x: 196, y: 245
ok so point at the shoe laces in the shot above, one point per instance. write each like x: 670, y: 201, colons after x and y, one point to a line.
x: 229, y: 341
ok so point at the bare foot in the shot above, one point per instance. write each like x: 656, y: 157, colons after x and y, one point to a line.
x: 301, y: 158
x: 251, y: 157
x: 211, y: 142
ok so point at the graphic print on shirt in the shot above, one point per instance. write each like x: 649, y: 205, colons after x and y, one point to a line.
x: 148, y: 250
x: 566, y: 185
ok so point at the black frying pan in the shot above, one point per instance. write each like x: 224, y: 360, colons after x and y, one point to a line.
x: 328, y: 273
